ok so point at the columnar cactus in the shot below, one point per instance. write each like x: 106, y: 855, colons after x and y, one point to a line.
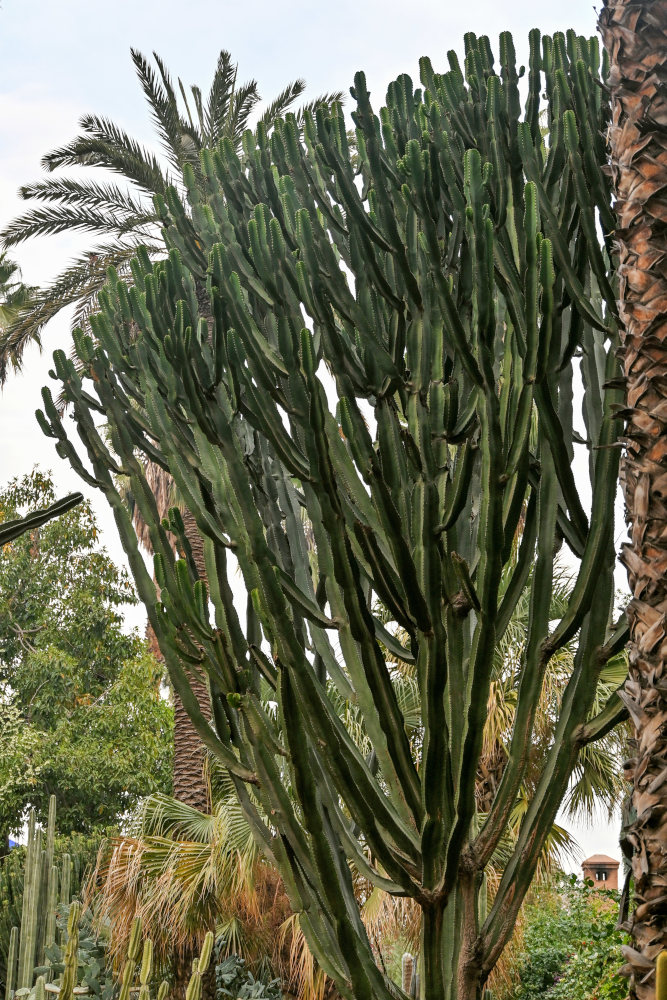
x: 38, y: 890
x: 12, y: 959
x: 386, y: 342
x: 44, y: 885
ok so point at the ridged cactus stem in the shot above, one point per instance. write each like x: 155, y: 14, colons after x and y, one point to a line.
x: 12, y: 959
x: 70, y: 958
x: 661, y: 976
x: 66, y: 880
x: 45, y: 881
x: 51, y: 910
x: 30, y: 907
x: 199, y: 968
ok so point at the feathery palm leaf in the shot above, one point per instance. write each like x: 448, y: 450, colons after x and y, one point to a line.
x: 104, y: 144
x: 284, y: 101
x: 127, y: 216
x: 14, y: 294
x: 222, y: 88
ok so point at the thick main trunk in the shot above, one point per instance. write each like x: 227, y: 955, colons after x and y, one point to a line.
x: 635, y: 35
x: 450, y: 945
x: 190, y: 785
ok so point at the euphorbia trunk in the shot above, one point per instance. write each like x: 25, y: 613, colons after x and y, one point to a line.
x: 635, y: 34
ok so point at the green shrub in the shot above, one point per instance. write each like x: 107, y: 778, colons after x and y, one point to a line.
x: 572, y: 948
x: 232, y: 979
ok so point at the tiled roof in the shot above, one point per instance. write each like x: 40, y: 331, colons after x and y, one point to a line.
x: 600, y: 859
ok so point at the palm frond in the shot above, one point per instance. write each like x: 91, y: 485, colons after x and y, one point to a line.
x: 219, y: 97
x: 282, y: 103
x: 79, y: 283
x: 199, y: 105
x: 324, y: 100
x: 15, y: 296
x: 597, y: 780
x: 88, y: 193
x: 50, y: 220
x: 106, y: 145
x: 163, y: 104
x: 241, y: 106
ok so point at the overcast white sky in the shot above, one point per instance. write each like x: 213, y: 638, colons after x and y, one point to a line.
x: 59, y: 60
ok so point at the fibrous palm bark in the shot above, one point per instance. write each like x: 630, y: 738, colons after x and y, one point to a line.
x: 635, y: 34
x: 190, y: 784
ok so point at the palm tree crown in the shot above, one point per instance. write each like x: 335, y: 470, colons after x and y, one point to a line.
x: 122, y: 215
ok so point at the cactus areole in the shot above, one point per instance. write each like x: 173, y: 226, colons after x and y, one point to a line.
x: 395, y: 330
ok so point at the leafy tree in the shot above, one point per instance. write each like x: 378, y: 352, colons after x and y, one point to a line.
x: 571, y: 945
x: 81, y: 713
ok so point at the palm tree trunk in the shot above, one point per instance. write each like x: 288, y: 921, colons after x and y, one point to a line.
x: 635, y: 35
x: 190, y: 785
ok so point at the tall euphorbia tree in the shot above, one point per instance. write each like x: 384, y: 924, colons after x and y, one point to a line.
x: 635, y: 34
x: 394, y: 357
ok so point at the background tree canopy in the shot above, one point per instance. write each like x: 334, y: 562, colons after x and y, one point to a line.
x: 81, y: 712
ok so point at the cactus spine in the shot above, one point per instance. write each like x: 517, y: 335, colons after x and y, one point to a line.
x: 453, y: 296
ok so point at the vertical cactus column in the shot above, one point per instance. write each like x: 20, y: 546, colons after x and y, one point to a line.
x: 30, y: 908
x: 39, y: 893
x: 43, y: 885
x: 12, y: 959
x: 70, y: 958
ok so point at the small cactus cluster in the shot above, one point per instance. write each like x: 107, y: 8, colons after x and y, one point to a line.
x: 138, y: 968
x: 143, y: 956
x: 387, y: 340
x: 45, y: 886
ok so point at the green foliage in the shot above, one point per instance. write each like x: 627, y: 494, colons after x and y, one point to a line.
x: 389, y: 345
x: 232, y: 979
x: 15, y: 297
x: 572, y: 949
x: 80, y: 707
